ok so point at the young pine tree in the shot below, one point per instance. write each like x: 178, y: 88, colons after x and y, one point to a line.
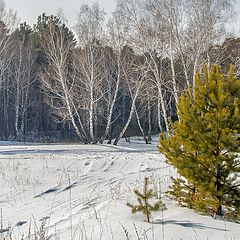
x: 203, y: 145
x: 143, y: 201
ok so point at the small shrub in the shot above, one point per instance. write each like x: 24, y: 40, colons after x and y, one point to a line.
x: 143, y: 201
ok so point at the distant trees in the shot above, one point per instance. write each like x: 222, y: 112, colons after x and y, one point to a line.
x: 135, y: 74
x: 204, y: 146
x: 116, y: 63
x: 8, y: 22
x: 5, y: 60
x: 112, y: 78
x: 56, y: 74
x: 22, y: 79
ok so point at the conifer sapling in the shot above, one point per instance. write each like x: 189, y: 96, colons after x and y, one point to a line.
x: 143, y: 201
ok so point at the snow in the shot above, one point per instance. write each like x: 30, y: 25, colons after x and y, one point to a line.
x: 81, y: 192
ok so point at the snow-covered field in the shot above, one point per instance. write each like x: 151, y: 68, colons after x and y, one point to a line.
x: 81, y: 192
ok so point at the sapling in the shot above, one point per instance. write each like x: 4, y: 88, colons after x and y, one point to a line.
x: 143, y: 201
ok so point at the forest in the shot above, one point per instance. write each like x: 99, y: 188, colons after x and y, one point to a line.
x: 110, y: 76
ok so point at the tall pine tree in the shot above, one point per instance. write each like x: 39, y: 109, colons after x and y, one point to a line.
x: 203, y: 145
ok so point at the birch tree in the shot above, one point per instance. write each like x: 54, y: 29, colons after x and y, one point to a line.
x: 22, y: 75
x: 150, y: 41
x: 90, y: 60
x: 205, y: 26
x: 116, y: 40
x: 56, y: 76
x: 8, y: 21
x: 135, y: 74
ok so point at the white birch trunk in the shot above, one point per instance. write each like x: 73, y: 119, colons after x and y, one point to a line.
x: 68, y: 101
x: 109, y: 118
x: 140, y: 126
x: 149, y: 120
x: 159, y: 113
x: 130, y: 115
x: 162, y: 103
x: 174, y: 83
x: 91, y: 108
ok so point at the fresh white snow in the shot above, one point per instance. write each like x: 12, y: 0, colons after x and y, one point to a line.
x: 81, y: 191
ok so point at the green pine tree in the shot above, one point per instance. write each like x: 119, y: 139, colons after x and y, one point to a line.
x: 203, y: 145
x: 143, y: 201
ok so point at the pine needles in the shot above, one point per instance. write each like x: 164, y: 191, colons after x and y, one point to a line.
x: 144, y: 205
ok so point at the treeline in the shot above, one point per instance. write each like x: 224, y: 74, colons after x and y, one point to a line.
x: 107, y: 79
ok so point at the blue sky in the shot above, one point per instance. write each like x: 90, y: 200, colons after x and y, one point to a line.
x: 29, y: 10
